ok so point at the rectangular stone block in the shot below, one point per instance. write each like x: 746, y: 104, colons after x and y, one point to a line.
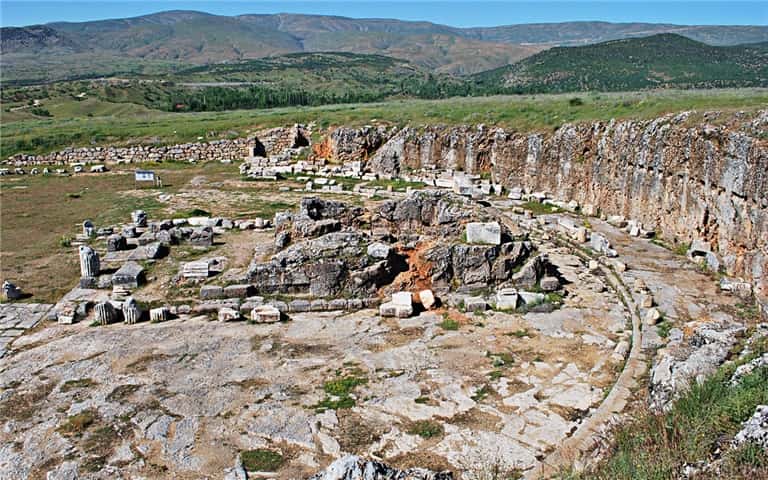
x: 337, y: 304
x: 506, y: 299
x: 318, y: 305
x: 486, y: 233
x: 355, y: 304
x: 299, y: 306
x: 238, y: 291
x: 475, y: 304
x: 208, y: 292
x: 265, y: 314
x: 402, y: 298
x: 131, y: 275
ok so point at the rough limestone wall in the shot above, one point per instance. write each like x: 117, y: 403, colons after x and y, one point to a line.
x: 271, y: 142
x: 234, y: 150
x: 684, y: 181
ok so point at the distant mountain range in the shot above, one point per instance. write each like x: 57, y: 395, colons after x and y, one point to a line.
x: 169, y: 41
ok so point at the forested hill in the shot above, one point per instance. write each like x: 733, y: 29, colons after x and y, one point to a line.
x: 658, y: 61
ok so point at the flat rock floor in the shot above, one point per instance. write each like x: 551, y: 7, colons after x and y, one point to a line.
x: 181, y: 399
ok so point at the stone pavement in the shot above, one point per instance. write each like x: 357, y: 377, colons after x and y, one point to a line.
x: 15, y: 318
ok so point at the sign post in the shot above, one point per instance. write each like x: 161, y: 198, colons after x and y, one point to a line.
x: 143, y: 177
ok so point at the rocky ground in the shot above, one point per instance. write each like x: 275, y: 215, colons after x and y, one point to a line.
x: 446, y: 389
x: 443, y: 390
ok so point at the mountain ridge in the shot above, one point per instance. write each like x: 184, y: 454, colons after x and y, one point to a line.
x: 195, y: 38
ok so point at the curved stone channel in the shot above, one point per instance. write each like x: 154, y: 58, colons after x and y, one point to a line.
x: 584, y: 440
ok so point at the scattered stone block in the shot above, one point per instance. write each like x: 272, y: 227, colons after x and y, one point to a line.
x: 646, y: 301
x: 147, y: 237
x: 531, y: 298
x: 600, y: 244
x: 130, y: 275
x: 160, y: 314
x: 66, y: 314
x: 238, y: 291
x: 318, y: 305
x: 131, y: 311
x: 227, y: 314
x: 652, y: 316
x: 739, y: 288
x: 402, y: 298
x: 208, y: 292
x: 549, y: 284
x: 379, y: 250
x: 485, y: 233
x: 515, y: 193
x: 507, y: 299
x: 116, y: 243
x: 201, y: 237
x: 428, y: 299
x: 265, y: 314
x: 120, y: 292
x: 401, y: 306
x: 197, y: 270
x: 619, y: 266
x: 105, y: 313
x: 475, y: 304
x: 299, y: 305
x: 139, y: 218
x: 11, y: 291
x: 338, y: 304
x: 282, y: 239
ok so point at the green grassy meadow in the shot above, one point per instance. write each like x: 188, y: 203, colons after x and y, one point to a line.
x: 71, y: 126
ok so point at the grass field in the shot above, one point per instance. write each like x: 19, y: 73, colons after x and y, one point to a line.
x: 71, y: 127
x: 39, y: 211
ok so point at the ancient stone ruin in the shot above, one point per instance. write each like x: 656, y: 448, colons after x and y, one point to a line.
x: 427, y: 303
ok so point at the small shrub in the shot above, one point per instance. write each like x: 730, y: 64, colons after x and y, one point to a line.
x: 663, y: 328
x: 77, y: 424
x: 519, y: 333
x: 79, y: 383
x: 426, y: 429
x: 40, y: 112
x: 261, y: 460
x: 343, y: 386
x: 481, y: 393
x: 197, y: 212
x: 338, y: 393
x: 496, y: 374
x: 575, y: 102
x: 538, y: 208
x: 65, y: 241
x: 449, y: 324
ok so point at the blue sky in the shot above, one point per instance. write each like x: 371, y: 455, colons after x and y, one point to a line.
x: 452, y: 12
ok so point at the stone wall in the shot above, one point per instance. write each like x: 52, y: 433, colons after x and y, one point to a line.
x: 687, y: 179
x: 234, y: 150
x: 267, y: 142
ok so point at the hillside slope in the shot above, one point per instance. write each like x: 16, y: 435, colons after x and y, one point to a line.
x: 53, y: 51
x: 658, y: 61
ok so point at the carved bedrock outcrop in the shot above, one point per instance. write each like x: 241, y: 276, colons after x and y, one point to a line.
x: 679, y: 174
